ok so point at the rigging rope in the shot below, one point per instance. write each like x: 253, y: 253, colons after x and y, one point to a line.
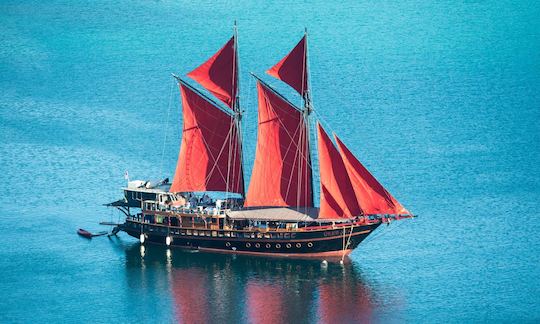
x: 166, y: 128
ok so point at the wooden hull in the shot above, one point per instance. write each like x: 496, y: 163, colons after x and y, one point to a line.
x: 330, y: 242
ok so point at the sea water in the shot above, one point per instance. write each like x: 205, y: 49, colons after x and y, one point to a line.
x: 441, y: 101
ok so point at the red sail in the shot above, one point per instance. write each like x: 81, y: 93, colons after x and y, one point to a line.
x: 337, y: 195
x: 209, y: 157
x: 372, y: 196
x: 292, y: 69
x: 281, y: 172
x: 219, y: 74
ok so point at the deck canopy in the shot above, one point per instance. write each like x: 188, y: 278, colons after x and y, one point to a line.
x: 279, y: 214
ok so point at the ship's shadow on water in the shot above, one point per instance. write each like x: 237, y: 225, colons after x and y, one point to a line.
x: 206, y: 287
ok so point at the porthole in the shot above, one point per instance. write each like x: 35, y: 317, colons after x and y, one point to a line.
x: 268, y: 245
x: 248, y: 244
x: 310, y: 244
x: 257, y: 245
x: 278, y: 246
x: 288, y: 245
x: 298, y: 245
x: 228, y: 244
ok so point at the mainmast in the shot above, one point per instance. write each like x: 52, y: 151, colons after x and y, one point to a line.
x: 306, y: 95
x: 236, y: 104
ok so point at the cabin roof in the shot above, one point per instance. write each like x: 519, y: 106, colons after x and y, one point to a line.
x: 301, y: 214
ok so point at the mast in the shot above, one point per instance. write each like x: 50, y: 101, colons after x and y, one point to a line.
x: 236, y: 106
x: 307, y: 107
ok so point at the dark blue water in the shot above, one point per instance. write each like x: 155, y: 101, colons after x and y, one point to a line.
x: 440, y: 101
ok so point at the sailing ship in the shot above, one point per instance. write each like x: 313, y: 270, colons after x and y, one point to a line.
x: 277, y: 214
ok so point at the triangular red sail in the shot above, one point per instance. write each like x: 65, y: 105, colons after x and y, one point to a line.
x: 337, y: 195
x: 292, y: 69
x: 219, y: 74
x: 372, y: 196
x: 209, y: 158
x: 281, y: 172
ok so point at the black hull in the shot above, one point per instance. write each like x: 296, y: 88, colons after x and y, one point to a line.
x: 330, y: 242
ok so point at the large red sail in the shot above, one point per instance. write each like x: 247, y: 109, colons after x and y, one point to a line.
x: 281, y: 172
x: 209, y: 158
x: 219, y: 74
x: 337, y: 196
x: 292, y: 69
x: 373, y: 197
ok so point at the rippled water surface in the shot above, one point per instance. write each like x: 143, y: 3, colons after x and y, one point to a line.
x: 440, y: 101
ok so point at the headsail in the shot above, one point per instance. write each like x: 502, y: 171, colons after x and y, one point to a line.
x: 281, y: 172
x: 293, y: 69
x: 219, y: 74
x: 337, y: 195
x: 373, y: 197
x: 209, y: 158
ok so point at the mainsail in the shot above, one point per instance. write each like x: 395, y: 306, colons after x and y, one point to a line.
x: 219, y: 74
x: 210, y: 154
x: 293, y: 69
x: 337, y: 198
x: 281, y: 172
x: 373, y: 197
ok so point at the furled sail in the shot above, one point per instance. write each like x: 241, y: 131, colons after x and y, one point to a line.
x: 337, y: 198
x: 209, y: 158
x: 281, y: 172
x: 293, y: 69
x: 373, y: 197
x: 219, y: 74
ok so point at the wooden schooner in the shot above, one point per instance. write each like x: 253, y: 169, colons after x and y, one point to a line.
x: 277, y: 216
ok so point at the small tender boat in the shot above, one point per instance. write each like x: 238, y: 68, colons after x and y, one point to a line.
x: 87, y: 234
x: 84, y: 233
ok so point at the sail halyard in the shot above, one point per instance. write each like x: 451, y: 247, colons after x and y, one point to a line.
x: 205, y: 152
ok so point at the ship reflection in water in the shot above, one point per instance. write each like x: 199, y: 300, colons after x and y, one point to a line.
x: 212, y: 287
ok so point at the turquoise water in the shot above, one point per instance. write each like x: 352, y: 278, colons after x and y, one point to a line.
x: 440, y: 101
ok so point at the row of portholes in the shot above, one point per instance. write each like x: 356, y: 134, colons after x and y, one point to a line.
x: 268, y: 245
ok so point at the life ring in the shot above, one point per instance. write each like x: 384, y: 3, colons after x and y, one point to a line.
x: 228, y: 244
x: 257, y: 245
x: 298, y: 245
x: 268, y: 245
x: 288, y: 245
x: 310, y: 244
x: 248, y: 244
x: 278, y: 246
